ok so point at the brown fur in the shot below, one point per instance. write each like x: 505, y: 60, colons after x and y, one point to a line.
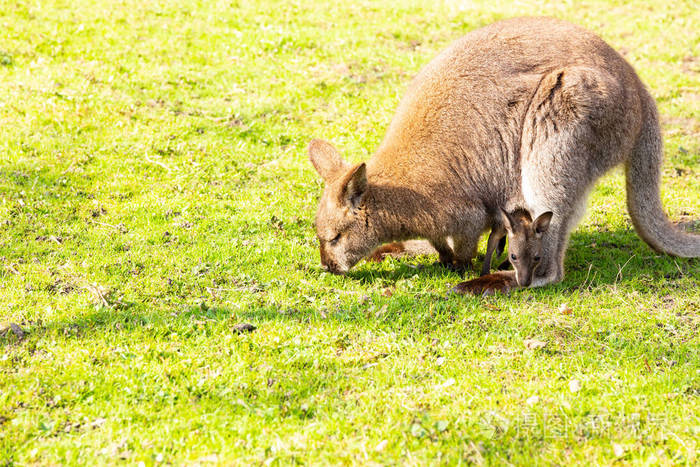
x: 503, y: 281
x: 524, y: 112
x: 394, y: 249
x: 399, y: 249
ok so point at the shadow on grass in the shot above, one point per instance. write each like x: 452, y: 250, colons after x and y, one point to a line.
x: 594, y: 259
x: 407, y: 267
x: 613, y: 256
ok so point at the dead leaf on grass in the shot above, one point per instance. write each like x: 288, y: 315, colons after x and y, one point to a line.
x: 49, y: 238
x: 618, y: 450
x: 98, y: 422
x: 534, y: 344
x: 575, y: 385
x: 16, y: 330
x: 533, y: 400
x: 381, y: 445
x: 99, y: 293
x: 565, y: 309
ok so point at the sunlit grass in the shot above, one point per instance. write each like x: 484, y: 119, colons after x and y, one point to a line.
x: 155, y: 192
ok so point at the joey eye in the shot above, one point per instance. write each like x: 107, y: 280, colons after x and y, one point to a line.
x: 335, y: 239
x: 513, y: 257
x: 537, y: 259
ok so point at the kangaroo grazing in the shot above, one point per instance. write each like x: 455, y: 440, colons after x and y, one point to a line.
x: 524, y: 112
x: 524, y: 242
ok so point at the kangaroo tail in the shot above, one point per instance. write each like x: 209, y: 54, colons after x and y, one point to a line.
x: 643, y: 200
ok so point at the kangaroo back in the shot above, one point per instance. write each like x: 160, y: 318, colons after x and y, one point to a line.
x: 643, y: 170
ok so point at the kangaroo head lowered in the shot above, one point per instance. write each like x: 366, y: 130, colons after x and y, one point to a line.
x: 342, y: 221
x: 525, y: 242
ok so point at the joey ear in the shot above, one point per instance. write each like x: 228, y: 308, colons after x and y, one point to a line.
x: 354, y: 186
x: 541, y: 224
x: 326, y: 159
x: 507, y: 220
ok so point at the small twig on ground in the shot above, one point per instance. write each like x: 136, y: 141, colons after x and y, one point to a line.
x: 679, y: 268
x: 158, y: 163
x: 590, y: 266
x: 99, y: 292
x: 619, y: 272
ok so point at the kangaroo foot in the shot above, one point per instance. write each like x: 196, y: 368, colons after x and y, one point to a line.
x: 489, y: 284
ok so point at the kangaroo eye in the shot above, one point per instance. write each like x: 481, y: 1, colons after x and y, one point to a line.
x: 513, y: 257
x: 335, y: 239
x: 537, y: 259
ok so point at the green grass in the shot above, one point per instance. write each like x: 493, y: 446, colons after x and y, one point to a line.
x: 155, y: 192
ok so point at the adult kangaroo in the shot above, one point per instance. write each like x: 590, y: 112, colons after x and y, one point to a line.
x: 527, y: 112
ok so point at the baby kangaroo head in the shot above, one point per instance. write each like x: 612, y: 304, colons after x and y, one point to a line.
x: 525, y: 242
x: 342, y: 223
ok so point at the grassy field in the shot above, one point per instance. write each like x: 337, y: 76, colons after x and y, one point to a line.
x: 155, y: 193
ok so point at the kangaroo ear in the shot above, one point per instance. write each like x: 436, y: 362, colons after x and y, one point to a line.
x: 508, y: 221
x: 354, y: 186
x: 326, y: 159
x: 541, y: 224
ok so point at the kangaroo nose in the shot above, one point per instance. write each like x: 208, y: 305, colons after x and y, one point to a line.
x: 324, y: 267
x: 523, y: 277
x: 525, y: 281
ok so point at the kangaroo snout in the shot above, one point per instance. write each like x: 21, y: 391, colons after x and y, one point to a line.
x: 332, y: 268
x: 329, y: 265
x: 525, y: 283
x: 523, y: 276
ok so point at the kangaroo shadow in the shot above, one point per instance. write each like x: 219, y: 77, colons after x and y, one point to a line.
x: 620, y: 256
x: 594, y: 258
x: 403, y: 268
x: 603, y: 257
